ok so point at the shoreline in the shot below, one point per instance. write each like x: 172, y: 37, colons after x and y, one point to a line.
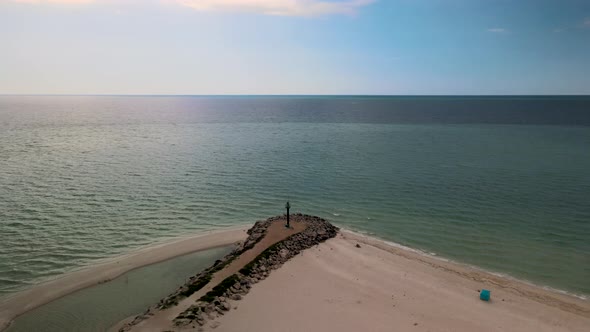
x: 353, y: 282
x: 443, y: 259
x: 268, y: 241
x: 519, y: 286
x: 107, y: 269
x: 104, y: 270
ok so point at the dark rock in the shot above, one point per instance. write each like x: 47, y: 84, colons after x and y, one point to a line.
x: 225, y: 306
x: 317, y: 231
x: 284, y: 253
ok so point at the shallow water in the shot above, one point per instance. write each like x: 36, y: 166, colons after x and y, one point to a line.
x: 99, y: 307
x: 482, y: 181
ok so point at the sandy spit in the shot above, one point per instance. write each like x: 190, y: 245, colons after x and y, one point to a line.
x: 22, y: 302
x: 338, y: 286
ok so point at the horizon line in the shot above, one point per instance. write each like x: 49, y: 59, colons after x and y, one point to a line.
x: 281, y: 95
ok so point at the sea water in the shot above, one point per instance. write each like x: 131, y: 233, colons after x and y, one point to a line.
x: 99, y: 307
x: 502, y: 183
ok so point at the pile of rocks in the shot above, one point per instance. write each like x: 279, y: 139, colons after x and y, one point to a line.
x: 213, y: 305
x: 195, y: 283
x: 317, y: 231
x: 255, y: 234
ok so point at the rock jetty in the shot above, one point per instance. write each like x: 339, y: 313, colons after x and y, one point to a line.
x: 219, y: 300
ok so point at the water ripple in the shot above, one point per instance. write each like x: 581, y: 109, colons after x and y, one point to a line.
x: 74, y: 190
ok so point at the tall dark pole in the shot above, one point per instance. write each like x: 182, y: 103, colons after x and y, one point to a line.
x: 287, y: 206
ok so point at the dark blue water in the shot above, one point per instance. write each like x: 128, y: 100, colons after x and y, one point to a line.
x: 531, y: 110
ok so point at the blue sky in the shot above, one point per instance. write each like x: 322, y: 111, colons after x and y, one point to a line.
x: 294, y: 47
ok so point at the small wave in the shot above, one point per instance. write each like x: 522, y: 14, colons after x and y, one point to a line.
x: 336, y: 214
x: 113, y: 200
x: 560, y: 291
x: 7, y: 283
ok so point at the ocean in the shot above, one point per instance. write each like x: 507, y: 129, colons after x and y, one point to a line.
x: 501, y: 183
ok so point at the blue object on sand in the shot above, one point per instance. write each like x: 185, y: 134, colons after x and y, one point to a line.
x: 484, y: 295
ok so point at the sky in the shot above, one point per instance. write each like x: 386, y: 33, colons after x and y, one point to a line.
x: 368, y: 47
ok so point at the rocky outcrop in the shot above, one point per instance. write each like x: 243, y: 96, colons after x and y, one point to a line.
x: 219, y: 300
x: 195, y: 283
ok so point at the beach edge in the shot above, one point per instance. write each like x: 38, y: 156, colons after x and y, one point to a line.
x: 105, y: 270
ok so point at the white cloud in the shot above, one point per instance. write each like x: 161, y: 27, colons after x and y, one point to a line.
x: 279, y: 7
x: 266, y: 7
x: 497, y: 30
x: 65, y: 2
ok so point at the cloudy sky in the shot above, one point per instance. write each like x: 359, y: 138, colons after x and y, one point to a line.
x: 294, y: 47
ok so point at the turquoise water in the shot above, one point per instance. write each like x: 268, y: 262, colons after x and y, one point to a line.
x: 84, y: 178
x: 99, y: 307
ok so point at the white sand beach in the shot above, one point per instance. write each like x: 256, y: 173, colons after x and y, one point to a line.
x: 351, y: 283
x: 338, y: 287
x: 354, y: 282
x: 22, y: 302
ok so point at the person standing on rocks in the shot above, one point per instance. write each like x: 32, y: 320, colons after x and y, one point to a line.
x: 288, y: 206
